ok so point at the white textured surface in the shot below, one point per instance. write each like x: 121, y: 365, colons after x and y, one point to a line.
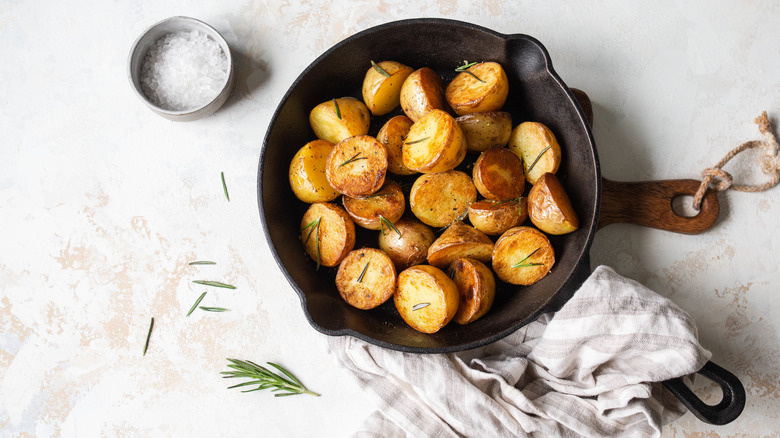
x: 104, y: 203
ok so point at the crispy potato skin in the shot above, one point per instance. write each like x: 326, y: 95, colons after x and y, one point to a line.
x: 426, y: 284
x: 307, y: 173
x: 529, y: 141
x: 515, y: 246
x: 357, y: 166
x: 549, y: 207
x: 460, y: 241
x: 466, y: 94
x: 366, y: 278
x: 494, y: 218
x: 421, y: 92
x: 486, y: 130
x: 435, y: 143
x: 352, y: 118
x: 392, y: 135
x: 498, y: 174
x: 438, y: 199
x: 335, y: 234
x: 381, y: 93
x: 477, y: 288
x: 389, y: 203
x: 411, y: 247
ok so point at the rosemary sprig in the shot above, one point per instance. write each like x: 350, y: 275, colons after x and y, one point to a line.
x: 420, y: 306
x: 353, y: 159
x: 338, y: 110
x: 380, y: 70
x: 224, y: 186
x: 285, y: 383
x: 464, y: 68
x: 363, y: 274
x: 537, y: 158
x: 148, y: 335
x: 195, y: 306
x: 384, y: 221
x: 214, y: 283
x: 520, y: 264
x: 417, y: 141
x: 214, y: 309
x: 315, y: 226
x: 202, y: 262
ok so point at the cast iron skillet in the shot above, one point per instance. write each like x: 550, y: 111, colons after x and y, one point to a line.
x: 536, y: 93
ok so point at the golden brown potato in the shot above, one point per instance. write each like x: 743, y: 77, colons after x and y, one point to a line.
x: 372, y: 211
x: 340, y: 118
x: 536, y: 145
x: 392, y: 135
x: 522, y: 255
x: 366, y: 278
x: 494, y: 217
x: 409, y: 246
x: 498, y: 174
x: 307, y: 173
x: 327, y: 233
x: 549, y: 207
x: 439, y: 199
x: 435, y: 143
x: 421, y: 92
x: 477, y: 288
x: 426, y: 298
x: 460, y: 241
x: 486, y: 130
x: 382, y: 86
x: 357, y: 166
x: 481, y: 87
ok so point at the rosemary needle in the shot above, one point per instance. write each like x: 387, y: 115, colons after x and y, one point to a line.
x: 202, y: 262
x: 420, y: 306
x: 379, y: 69
x: 148, y: 335
x: 224, y: 186
x: 214, y: 283
x: 214, y: 309
x: 195, y: 306
x: 285, y: 383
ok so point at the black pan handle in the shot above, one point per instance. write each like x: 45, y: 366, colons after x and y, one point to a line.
x: 724, y: 412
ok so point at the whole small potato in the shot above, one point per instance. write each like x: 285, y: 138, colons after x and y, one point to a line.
x: 486, y: 130
x: 435, y: 143
x: 536, y: 145
x: 522, y: 255
x: 549, y: 207
x: 327, y: 233
x: 498, y: 174
x: 426, y: 298
x: 374, y: 211
x: 357, y: 166
x: 460, y: 241
x: 382, y: 86
x: 495, y: 217
x: 439, y: 199
x: 340, y: 118
x: 307, y: 173
x: 421, y: 92
x: 366, y: 278
x: 477, y: 288
x: 481, y: 87
x: 409, y: 246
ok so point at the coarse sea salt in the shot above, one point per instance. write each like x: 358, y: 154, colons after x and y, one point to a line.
x: 183, y: 71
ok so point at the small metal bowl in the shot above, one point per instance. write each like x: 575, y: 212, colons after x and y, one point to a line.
x: 147, y: 40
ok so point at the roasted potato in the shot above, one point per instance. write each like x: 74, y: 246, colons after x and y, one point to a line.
x: 486, y: 130
x: 495, y: 217
x: 459, y: 241
x: 375, y: 210
x: 421, y: 92
x: 426, y: 298
x: 536, y: 145
x: 498, y: 174
x: 481, y: 87
x: 307, y: 173
x: 366, y: 278
x: 477, y: 288
x: 357, y: 166
x: 340, y: 118
x: 439, y: 199
x: 327, y: 233
x: 435, y: 143
x: 382, y: 86
x: 549, y: 207
x: 392, y: 135
x: 409, y: 246
x: 522, y: 255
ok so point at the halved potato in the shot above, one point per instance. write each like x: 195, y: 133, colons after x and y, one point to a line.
x: 410, y: 245
x: 366, y: 278
x: 498, y: 174
x: 307, y: 173
x: 439, y: 199
x: 421, y: 92
x: 327, y: 233
x: 426, y: 298
x: 382, y: 86
x: 477, y: 288
x: 481, y: 87
x: 495, y: 217
x: 460, y: 241
x: 536, y: 145
x: 340, y: 118
x: 522, y: 255
x: 486, y: 130
x: 435, y: 143
x: 357, y: 166
x: 549, y: 207
x: 371, y: 212
x: 392, y: 135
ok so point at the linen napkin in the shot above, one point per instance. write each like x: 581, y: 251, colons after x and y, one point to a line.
x: 590, y: 369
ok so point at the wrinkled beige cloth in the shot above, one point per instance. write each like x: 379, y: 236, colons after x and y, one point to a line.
x: 590, y: 369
